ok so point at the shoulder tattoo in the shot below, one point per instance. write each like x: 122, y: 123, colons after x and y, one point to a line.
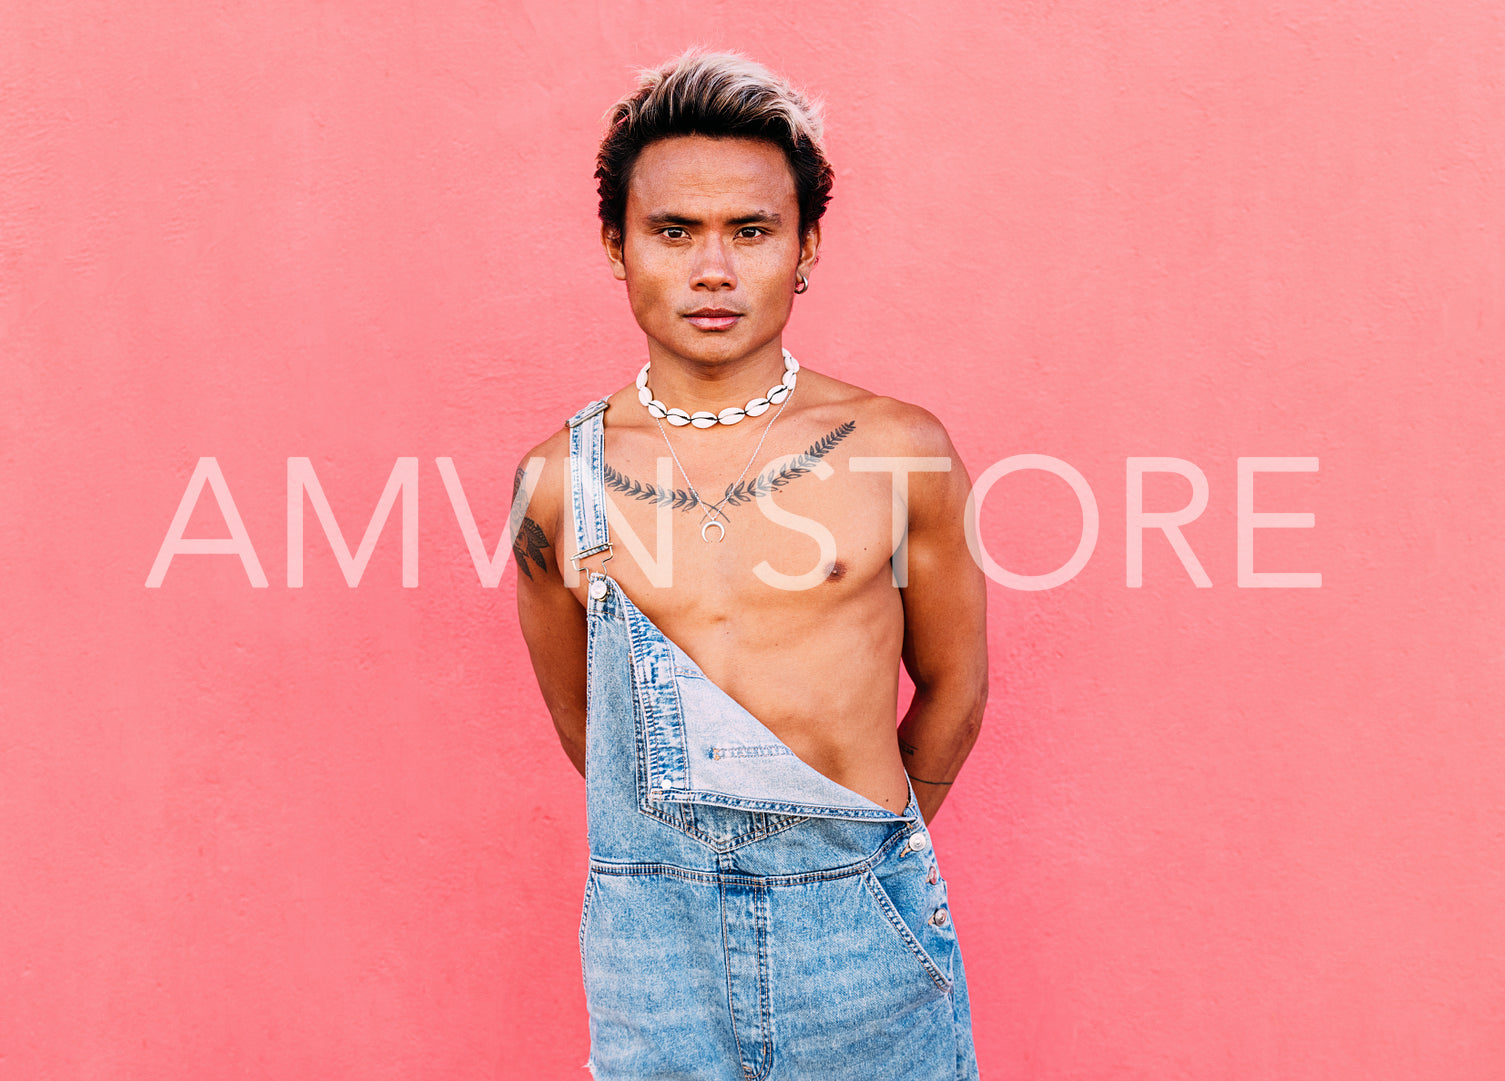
x: 530, y: 540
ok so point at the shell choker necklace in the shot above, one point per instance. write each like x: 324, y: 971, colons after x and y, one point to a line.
x: 703, y: 419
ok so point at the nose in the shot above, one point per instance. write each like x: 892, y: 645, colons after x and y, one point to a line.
x: 713, y: 265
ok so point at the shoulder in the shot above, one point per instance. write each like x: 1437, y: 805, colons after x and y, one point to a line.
x: 905, y: 439
x: 911, y: 429
x: 890, y: 426
x: 550, y: 462
x: 544, y: 467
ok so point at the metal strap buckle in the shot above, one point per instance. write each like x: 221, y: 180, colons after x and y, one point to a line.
x: 597, y: 550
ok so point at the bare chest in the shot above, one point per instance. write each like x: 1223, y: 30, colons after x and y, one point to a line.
x: 796, y: 532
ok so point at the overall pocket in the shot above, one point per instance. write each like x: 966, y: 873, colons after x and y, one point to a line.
x: 840, y: 951
x: 908, y: 913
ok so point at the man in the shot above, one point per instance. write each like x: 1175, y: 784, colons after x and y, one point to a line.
x: 762, y: 899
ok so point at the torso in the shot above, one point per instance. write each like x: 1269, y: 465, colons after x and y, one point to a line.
x: 816, y: 660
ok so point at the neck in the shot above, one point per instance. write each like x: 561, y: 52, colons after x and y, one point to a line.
x: 693, y: 385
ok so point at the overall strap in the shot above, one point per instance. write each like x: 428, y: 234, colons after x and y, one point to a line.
x: 587, y: 482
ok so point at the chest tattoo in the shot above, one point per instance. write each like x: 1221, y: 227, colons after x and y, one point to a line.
x: 765, y: 483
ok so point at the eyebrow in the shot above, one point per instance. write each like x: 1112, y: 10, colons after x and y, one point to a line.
x: 668, y: 217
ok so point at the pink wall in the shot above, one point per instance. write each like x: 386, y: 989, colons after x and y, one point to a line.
x: 325, y: 832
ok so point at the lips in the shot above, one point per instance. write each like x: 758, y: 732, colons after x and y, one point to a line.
x: 713, y: 318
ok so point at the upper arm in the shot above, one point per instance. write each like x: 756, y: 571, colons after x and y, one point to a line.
x: 945, y: 595
x: 551, y: 618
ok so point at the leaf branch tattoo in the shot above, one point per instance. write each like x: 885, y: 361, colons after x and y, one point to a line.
x: 530, y: 540
x: 679, y: 498
x: 798, y: 466
x: 742, y: 492
x: 530, y: 544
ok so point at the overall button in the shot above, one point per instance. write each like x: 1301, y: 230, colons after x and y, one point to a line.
x: 917, y: 842
x: 934, y: 876
x: 598, y: 588
x: 940, y: 918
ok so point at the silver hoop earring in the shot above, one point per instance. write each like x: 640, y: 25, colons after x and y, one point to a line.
x: 804, y: 283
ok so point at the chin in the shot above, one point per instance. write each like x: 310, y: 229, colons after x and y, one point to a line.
x: 711, y: 348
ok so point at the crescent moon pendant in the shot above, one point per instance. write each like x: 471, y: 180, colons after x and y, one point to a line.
x: 707, y: 525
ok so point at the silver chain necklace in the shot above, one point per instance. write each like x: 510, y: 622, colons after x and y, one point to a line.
x: 713, y: 512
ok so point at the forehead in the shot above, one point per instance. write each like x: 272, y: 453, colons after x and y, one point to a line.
x: 697, y: 172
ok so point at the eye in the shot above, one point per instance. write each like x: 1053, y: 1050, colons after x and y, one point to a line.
x: 674, y: 232
x: 750, y: 232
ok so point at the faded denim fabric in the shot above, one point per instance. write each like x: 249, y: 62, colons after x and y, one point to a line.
x: 745, y: 917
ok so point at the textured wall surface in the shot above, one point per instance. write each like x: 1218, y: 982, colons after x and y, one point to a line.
x: 326, y: 832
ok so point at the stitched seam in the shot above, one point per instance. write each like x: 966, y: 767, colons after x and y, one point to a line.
x: 646, y: 715
x: 767, y: 750
x: 690, y: 874
x: 590, y: 892
x: 652, y: 713
x: 661, y: 811
x: 590, y: 667
x: 806, y: 810
x: 726, y: 952
x: 760, y: 909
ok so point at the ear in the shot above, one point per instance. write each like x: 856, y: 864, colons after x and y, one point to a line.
x: 809, y: 250
x: 611, y: 240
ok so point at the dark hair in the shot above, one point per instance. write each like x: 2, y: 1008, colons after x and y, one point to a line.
x: 720, y: 95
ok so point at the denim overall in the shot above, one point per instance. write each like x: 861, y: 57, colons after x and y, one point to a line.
x: 745, y: 917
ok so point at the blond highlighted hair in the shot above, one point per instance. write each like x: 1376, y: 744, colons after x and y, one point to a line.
x: 721, y: 95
